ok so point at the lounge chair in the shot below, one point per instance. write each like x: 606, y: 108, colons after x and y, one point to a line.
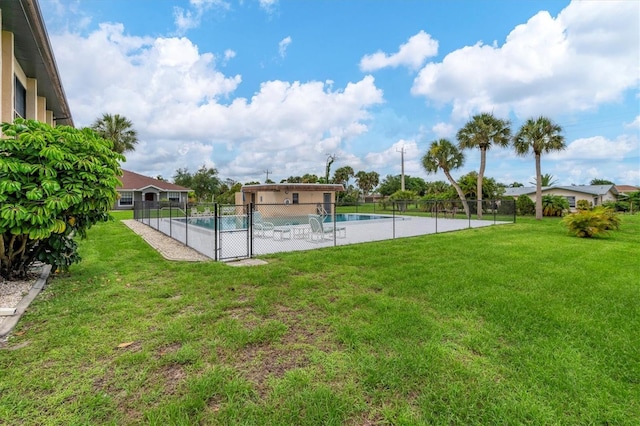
x: 329, y: 228
x: 318, y: 232
x: 260, y: 227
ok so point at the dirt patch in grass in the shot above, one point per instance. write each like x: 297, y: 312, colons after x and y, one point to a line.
x: 263, y: 361
x: 174, y: 376
x: 169, y: 349
x: 259, y: 363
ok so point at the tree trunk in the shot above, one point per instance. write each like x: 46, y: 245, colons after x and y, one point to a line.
x: 538, y: 189
x: 459, y: 191
x: 483, y: 161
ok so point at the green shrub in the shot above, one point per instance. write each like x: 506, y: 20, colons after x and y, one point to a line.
x: 583, y: 205
x: 55, y: 183
x: 402, y: 199
x: 619, y: 206
x: 589, y: 223
x: 554, y: 205
x: 525, y: 206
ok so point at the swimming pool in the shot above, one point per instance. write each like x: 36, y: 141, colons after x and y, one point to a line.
x: 239, y: 222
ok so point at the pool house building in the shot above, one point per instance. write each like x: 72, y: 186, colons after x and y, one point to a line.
x: 297, y: 199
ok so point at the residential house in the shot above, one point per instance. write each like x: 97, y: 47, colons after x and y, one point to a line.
x: 594, y: 194
x: 136, y: 187
x: 30, y: 85
x: 626, y: 189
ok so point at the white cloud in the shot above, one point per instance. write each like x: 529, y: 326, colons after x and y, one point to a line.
x: 635, y: 124
x: 186, y: 19
x: 588, y: 55
x: 597, y: 148
x: 283, y: 45
x: 268, y: 5
x: 186, y: 114
x: 392, y: 158
x: 444, y: 130
x: 411, y: 54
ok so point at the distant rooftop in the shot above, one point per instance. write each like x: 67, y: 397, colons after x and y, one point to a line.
x: 275, y: 187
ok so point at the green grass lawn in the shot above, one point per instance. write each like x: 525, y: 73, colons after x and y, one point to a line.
x: 513, y: 324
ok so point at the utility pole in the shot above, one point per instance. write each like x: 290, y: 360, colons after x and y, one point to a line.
x: 267, y: 172
x: 401, y: 151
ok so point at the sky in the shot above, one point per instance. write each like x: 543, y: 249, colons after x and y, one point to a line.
x: 256, y: 86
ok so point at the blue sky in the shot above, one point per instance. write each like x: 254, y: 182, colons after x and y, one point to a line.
x: 254, y: 85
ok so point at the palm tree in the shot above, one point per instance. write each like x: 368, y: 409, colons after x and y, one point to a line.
x: 538, y: 135
x: 117, y: 129
x: 546, y: 180
x: 366, y: 181
x: 483, y: 131
x: 442, y: 154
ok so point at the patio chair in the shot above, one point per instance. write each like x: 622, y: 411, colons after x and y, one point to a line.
x: 261, y: 227
x: 318, y: 232
x: 340, y: 230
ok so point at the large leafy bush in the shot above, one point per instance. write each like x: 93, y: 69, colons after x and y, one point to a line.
x: 55, y: 183
x: 589, y: 223
x: 525, y: 206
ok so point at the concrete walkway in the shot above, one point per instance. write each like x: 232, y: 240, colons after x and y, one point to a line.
x: 7, y: 323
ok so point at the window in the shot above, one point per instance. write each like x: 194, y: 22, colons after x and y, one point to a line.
x: 173, y: 196
x: 126, y: 198
x: 595, y: 201
x: 20, y: 105
x: 572, y: 202
x: 295, y: 198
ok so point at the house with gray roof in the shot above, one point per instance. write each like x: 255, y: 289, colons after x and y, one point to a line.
x: 594, y: 194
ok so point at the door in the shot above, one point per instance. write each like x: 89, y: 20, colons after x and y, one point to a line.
x: 326, y: 198
x: 149, y: 196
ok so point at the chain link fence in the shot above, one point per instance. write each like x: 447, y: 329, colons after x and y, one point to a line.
x: 226, y: 232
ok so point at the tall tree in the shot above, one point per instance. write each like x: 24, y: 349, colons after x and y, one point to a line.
x: 538, y: 135
x: 204, y: 183
x: 366, y: 181
x: 183, y: 178
x: 601, y: 182
x: 482, y: 132
x: 342, y: 175
x: 444, y: 155
x: 117, y: 129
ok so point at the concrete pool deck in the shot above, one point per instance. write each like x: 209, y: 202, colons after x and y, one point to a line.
x: 236, y: 244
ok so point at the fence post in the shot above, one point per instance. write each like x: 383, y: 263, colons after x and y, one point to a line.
x: 250, y: 229
x: 494, y: 207
x: 186, y: 225
x: 335, y: 241
x: 216, y: 232
x: 393, y: 212
x: 437, y: 205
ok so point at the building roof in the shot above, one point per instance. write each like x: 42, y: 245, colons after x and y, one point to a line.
x: 134, y: 182
x: 585, y: 189
x: 33, y: 52
x: 626, y: 188
x: 275, y: 187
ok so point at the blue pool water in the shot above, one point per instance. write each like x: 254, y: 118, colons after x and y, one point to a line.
x: 240, y: 222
